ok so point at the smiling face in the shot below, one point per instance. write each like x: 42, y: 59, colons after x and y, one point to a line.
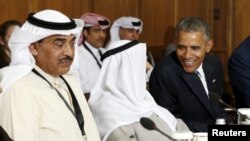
x: 54, y: 54
x: 191, y: 49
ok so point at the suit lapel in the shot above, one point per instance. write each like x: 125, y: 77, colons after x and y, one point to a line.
x: 210, y: 79
x: 194, y: 82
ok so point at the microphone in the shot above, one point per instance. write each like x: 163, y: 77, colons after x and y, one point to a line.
x: 215, y: 97
x: 150, y: 125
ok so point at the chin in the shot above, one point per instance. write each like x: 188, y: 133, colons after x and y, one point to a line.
x: 63, y: 71
x: 188, y: 70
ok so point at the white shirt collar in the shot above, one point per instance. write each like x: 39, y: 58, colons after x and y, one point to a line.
x: 201, y: 72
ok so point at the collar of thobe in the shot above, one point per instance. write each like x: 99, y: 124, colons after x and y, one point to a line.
x: 77, y: 113
x: 92, y: 49
x: 56, y: 81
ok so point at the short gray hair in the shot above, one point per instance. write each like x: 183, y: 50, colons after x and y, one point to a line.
x: 193, y: 24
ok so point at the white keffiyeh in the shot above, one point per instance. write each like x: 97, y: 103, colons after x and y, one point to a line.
x: 125, y: 22
x: 120, y: 96
x: 22, y: 60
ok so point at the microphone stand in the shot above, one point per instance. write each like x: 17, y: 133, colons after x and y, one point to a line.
x: 243, y: 115
x: 150, y: 125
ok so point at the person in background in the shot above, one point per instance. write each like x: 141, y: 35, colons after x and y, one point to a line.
x: 90, y: 49
x: 183, y: 81
x: 238, y: 73
x: 6, y: 30
x: 130, y: 28
x: 120, y: 98
x: 170, y: 48
x: 42, y: 100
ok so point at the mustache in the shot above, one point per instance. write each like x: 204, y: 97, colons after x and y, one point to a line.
x: 66, y: 58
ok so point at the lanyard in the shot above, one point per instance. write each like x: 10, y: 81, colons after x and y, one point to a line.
x: 98, y: 63
x: 78, y: 113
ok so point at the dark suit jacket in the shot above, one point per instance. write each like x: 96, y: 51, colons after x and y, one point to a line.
x: 183, y: 93
x: 239, y: 73
x: 3, y: 135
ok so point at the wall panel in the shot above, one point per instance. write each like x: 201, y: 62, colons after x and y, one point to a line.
x: 73, y: 8
x: 242, y: 21
x: 199, y: 8
x: 159, y: 21
x: 114, y: 9
x: 14, y: 9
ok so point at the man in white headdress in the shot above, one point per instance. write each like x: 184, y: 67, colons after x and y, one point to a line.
x: 90, y: 49
x: 119, y: 99
x: 130, y: 28
x: 41, y: 99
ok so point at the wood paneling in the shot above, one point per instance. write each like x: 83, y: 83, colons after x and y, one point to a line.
x: 199, y: 8
x: 241, y: 21
x: 158, y: 18
x: 114, y: 9
x: 73, y: 8
x: 14, y: 9
x: 159, y: 21
x: 219, y: 26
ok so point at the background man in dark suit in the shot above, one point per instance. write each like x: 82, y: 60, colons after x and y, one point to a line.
x: 183, y: 81
x: 239, y: 73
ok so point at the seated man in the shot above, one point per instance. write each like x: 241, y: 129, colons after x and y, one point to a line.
x: 42, y: 100
x: 183, y: 80
x: 91, y: 46
x: 130, y: 28
x: 239, y: 73
x: 119, y: 98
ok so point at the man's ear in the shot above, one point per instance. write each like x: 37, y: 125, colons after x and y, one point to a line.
x: 209, y: 46
x: 33, y: 49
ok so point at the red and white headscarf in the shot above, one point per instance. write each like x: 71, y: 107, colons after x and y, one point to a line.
x: 92, y: 19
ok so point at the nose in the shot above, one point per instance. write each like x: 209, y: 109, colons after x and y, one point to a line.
x: 187, y: 53
x: 69, y: 49
x: 135, y: 35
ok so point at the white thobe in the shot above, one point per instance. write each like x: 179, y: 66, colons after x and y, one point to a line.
x: 31, y: 110
x: 88, y: 67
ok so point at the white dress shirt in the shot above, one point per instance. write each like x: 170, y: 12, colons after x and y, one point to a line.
x: 201, y: 75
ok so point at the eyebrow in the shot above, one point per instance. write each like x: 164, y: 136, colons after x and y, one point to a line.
x: 59, y: 39
x: 180, y: 45
x: 63, y: 39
